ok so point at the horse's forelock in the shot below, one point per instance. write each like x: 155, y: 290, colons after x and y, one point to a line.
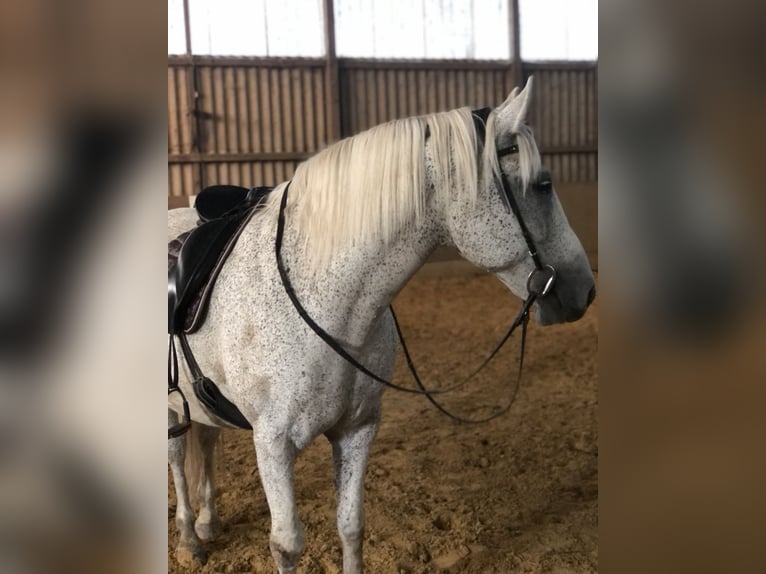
x: 529, y: 155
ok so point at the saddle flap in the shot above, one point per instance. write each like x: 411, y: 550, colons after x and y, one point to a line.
x: 198, y: 255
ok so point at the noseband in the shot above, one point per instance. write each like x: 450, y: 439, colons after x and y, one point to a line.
x: 539, y: 283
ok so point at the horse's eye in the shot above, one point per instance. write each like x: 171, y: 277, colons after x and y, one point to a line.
x: 513, y: 148
x: 545, y: 186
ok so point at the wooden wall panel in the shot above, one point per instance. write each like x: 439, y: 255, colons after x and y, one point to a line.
x: 563, y: 115
x: 244, y: 110
x: 261, y: 110
x: 379, y: 93
x: 564, y: 119
x: 255, y: 119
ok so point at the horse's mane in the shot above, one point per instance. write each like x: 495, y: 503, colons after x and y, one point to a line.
x: 371, y: 186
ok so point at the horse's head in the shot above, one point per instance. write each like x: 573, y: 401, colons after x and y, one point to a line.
x: 489, y: 234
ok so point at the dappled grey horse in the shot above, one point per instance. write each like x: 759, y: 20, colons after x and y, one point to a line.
x: 360, y: 219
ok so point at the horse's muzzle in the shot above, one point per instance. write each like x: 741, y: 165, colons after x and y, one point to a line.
x: 591, y: 295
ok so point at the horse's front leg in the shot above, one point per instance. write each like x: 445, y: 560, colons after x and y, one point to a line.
x: 350, y: 449
x: 276, y: 460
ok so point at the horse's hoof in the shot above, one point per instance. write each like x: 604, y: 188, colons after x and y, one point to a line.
x: 188, y: 557
x: 208, y: 531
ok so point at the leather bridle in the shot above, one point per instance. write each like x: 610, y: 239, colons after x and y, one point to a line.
x: 511, y: 206
x: 539, y: 284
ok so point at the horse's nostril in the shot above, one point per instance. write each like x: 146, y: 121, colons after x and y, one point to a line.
x: 591, y: 294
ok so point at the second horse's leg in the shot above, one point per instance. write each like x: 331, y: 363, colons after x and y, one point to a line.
x: 208, y: 524
x: 189, y: 546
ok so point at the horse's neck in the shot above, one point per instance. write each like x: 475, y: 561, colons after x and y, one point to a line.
x: 350, y: 298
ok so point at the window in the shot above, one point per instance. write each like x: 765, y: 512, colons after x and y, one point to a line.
x: 464, y: 29
x: 421, y: 29
x: 176, y: 31
x: 248, y: 27
x: 559, y: 29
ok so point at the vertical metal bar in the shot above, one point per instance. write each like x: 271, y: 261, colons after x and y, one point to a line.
x: 332, y: 88
x: 514, y: 27
x: 187, y: 28
x: 192, y: 105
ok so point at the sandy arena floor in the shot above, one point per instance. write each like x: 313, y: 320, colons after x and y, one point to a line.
x: 517, y: 494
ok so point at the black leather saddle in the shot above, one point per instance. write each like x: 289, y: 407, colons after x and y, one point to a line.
x: 195, y: 259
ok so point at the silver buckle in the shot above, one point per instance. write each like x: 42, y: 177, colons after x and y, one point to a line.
x: 548, y: 282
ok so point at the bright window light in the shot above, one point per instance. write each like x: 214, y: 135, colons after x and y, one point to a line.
x: 559, y: 29
x: 256, y: 27
x: 464, y: 29
x: 419, y: 29
x: 176, y: 32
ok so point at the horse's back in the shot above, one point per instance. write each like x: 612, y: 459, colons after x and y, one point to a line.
x: 181, y: 220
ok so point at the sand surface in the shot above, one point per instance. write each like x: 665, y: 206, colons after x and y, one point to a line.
x: 517, y: 494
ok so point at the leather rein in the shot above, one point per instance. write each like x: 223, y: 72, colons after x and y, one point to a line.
x: 522, y: 319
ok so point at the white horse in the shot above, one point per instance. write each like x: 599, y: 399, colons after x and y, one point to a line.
x: 362, y: 217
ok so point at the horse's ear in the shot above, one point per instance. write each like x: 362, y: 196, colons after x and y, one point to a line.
x: 512, y: 112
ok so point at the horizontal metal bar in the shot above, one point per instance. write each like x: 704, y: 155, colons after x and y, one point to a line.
x: 237, y: 157
x: 245, y: 61
x: 300, y: 156
x: 569, y: 149
x: 400, y: 64
x: 374, y: 63
x: 560, y: 65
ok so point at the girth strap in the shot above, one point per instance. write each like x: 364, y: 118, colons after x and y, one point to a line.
x: 208, y: 393
x: 180, y: 428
